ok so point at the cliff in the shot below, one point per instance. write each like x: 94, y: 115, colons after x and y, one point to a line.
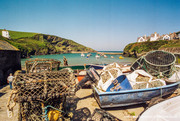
x: 41, y: 44
x: 141, y: 48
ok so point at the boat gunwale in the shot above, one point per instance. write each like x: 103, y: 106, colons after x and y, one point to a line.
x: 136, y: 90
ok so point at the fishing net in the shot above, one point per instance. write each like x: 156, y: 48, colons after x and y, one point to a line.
x: 39, y: 65
x: 35, y: 91
x: 157, y: 63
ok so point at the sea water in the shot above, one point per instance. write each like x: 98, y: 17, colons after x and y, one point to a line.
x: 76, y: 59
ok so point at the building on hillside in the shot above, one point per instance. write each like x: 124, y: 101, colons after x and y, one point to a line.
x: 173, y: 36
x: 166, y: 37
x: 5, y: 33
x: 157, y: 37
x: 10, y: 60
x: 178, y: 34
x: 142, y: 39
x: 154, y: 37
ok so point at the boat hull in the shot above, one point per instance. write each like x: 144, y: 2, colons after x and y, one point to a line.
x: 82, y: 67
x: 75, y: 67
x: 131, y: 97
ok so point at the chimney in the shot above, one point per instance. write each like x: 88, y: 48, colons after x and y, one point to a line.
x: 145, y: 37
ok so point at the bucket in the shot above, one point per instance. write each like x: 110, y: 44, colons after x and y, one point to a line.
x: 119, y: 84
x: 80, y: 77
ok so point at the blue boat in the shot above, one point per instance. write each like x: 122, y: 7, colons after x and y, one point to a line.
x: 132, y: 97
x: 82, y: 67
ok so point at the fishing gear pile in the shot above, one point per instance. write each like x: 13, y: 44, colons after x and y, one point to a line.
x: 43, y: 95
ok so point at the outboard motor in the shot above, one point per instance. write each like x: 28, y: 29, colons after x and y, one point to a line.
x: 91, y: 74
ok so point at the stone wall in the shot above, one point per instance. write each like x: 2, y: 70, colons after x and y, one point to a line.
x: 10, y: 61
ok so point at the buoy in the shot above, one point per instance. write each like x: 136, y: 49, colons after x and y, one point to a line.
x: 120, y: 57
x: 53, y: 115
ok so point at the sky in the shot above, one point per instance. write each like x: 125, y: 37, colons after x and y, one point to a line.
x: 99, y: 24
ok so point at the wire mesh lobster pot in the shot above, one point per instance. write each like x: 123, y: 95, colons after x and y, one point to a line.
x: 34, y: 91
x: 34, y: 110
x: 159, y: 63
x: 39, y: 65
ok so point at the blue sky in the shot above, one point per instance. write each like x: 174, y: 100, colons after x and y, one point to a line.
x: 99, y: 24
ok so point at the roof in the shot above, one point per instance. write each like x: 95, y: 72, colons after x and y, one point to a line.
x: 178, y: 32
x: 5, y: 30
x: 6, y: 46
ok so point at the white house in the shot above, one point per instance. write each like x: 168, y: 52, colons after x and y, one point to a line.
x: 5, y: 33
x: 166, y: 37
x: 142, y: 39
x: 154, y: 37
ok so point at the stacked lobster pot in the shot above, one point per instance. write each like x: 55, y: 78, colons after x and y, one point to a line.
x: 39, y: 65
x: 42, y: 96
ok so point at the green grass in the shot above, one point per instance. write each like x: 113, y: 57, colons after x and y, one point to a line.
x: 17, y: 34
x: 28, y: 44
x: 132, y: 113
x: 172, y: 43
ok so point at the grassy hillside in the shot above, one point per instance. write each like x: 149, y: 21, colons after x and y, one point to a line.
x: 138, y: 49
x: 41, y: 44
x: 16, y: 34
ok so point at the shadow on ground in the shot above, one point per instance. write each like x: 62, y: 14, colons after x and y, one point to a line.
x: 1, y: 94
x: 84, y: 114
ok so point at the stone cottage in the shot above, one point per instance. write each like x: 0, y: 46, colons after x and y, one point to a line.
x: 10, y: 60
x: 178, y: 34
x: 173, y: 36
x: 166, y: 37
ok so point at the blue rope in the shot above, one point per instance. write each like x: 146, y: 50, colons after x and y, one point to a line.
x: 46, y: 111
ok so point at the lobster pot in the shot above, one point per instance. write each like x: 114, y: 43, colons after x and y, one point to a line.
x: 34, y: 111
x: 44, y: 85
x: 39, y: 65
x: 159, y: 63
x: 36, y: 91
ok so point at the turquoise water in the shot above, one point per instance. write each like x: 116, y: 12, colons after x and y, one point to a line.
x: 111, y: 51
x: 76, y: 59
